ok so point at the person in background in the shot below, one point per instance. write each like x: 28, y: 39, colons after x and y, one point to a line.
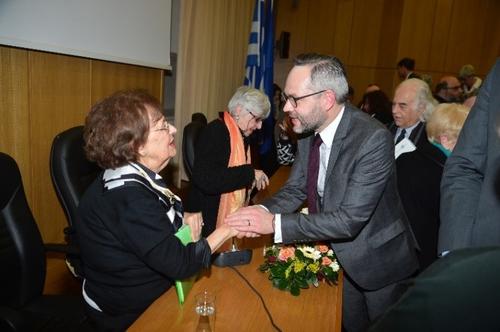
x: 378, y: 105
x: 419, y: 169
x: 406, y: 68
x: 444, y: 297
x: 470, y: 200
x: 223, y: 175
x: 372, y: 87
x: 449, y: 90
x: 470, y: 82
x: 128, y: 217
x: 287, y: 143
x: 412, y: 99
x: 444, y: 124
x: 348, y: 178
x: 470, y: 101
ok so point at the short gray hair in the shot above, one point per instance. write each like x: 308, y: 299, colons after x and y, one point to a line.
x: 327, y: 73
x: 252, y: 100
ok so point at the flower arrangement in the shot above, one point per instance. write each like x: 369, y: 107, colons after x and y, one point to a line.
x: 293, y: 268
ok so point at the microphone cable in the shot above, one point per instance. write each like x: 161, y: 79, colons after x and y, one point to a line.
x: 276, y: 327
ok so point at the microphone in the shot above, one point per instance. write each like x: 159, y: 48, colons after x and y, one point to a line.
x: 233, y: 257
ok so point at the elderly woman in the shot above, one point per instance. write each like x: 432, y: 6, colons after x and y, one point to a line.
x: 444, y: 125
x: 128, y: 217
x: 222, y: 174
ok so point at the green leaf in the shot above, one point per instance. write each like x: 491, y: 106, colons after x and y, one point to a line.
x: 295, y: 290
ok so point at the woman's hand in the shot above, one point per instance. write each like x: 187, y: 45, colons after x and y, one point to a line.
x: 195, y: 222
x: 221, y: 234
x: 261, y: 179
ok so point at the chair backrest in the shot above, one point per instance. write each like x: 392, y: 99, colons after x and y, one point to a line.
x: 189, y: 137
x: 22, y: 254
x: 70, y: 170
x: 199, y: 117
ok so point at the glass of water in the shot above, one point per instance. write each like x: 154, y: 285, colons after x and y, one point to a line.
x: 205, y: 308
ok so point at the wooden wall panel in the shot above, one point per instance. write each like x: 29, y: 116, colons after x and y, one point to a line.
x: 14, y: 113
x: 43, y: 94
x: 370, y: 37
x: 439, y: 40
x: 59, y: 99
x: 292, y: 17
x: 343, y: 27
x: 321, y: 28
x: 365, y: 33
x: 109, y: 77
x: 466, y: 28
x: 416, y: 31
x: 490, y: 47
x: 389, y: 32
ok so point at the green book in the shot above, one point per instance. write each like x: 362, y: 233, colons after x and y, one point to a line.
x: 183, y: 287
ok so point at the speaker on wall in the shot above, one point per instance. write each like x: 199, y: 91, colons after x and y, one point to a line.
x: 284, y: 44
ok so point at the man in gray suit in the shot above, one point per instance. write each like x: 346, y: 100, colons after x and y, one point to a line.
x: 358, y: 208
x: 470, y: 201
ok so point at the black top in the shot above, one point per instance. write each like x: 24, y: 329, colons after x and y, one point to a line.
x: 211, y: 176
x: 130, y: 253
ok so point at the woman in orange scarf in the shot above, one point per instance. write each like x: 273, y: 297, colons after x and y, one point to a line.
x: 222, y: 174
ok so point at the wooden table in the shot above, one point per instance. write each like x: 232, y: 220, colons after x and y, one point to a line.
x: 239, y: 309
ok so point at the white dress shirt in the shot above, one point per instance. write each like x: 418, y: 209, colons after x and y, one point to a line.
x: 408, y: 131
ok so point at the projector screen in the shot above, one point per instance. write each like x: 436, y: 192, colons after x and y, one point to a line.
x: 127, y: 31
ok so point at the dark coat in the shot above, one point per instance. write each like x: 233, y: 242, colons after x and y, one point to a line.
x: 419, y: 177
x: 459, y: 292
x: 211, y: 175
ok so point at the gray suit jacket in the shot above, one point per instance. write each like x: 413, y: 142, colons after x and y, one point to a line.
x: 470, y: 197
x: 361, y: 215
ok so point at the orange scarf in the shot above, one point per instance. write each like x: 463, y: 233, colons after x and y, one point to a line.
x: 231, y: 201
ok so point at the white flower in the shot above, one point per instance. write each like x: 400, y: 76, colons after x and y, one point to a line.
x: 335, y: 266
x: 310, y: 252
x: 329, y: 253
x: 304, y: 211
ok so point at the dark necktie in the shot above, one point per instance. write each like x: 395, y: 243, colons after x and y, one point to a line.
x: 401, y: 136
x: 312, y: 174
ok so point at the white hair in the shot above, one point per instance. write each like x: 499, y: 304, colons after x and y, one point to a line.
x: 250, y: 99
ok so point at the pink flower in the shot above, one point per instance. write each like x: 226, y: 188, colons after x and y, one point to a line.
x: 325, y: 261
x: 322, y: 248
x: 286, y: 253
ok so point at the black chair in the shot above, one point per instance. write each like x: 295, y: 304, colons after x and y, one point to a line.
x: 23, y: 307
x: 189, y: 137
x: 71, y: 174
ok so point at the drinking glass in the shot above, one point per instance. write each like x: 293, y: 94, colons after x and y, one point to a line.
x: 205, y: 308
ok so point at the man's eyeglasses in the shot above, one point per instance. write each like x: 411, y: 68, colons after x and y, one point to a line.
x: 454, y: 87
x: 294, y: 100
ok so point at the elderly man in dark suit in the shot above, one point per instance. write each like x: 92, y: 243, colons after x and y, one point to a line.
x: 470, y: 201
x: 419, y: 171
x: 347, y: 173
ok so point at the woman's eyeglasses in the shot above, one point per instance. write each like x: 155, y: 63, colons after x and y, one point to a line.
x: 164, y: 126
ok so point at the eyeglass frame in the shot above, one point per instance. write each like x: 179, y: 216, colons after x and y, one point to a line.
x: 285, y: 98
x: 255, y: 117
x: 165, y: 126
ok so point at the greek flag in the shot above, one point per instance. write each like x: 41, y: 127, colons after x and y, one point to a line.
x: 259, y: 65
